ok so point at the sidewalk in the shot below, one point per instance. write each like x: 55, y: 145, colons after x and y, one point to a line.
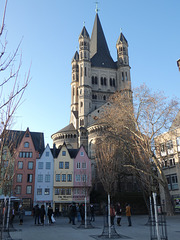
x: 63, y: 230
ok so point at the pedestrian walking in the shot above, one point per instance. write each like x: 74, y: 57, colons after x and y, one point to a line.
x: 42, y: 214
x: 118, y: 214
x: 21, y: 215
x: 37, y: 214
x: 50, y: 212
x: 112, y: 214
x: 82, y: 213
x: 73, y: 213
x: 128, y: 214
x: 92, y: 213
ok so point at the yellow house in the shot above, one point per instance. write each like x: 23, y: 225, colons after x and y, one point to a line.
x: 63, y: 179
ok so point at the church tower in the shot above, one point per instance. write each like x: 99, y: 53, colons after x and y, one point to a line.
x: 123, y: 68
x: 84, y: 89
x: 95, y: 77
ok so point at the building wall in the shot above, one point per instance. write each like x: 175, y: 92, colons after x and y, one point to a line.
x: 62, y: 193
x: 44, y: 178
x: 169, y: 156
x: 82, y: 176
x: 24, y: 171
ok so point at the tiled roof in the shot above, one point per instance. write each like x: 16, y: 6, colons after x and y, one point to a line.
x: 15, y: 137
x: 84, y: 33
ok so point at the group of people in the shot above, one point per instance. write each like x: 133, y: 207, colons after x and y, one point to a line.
x: 117, y: 212
x: 76, y: 210
x: 40, y: 213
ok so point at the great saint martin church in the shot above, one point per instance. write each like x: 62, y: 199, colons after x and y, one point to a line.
x: 95, y: 76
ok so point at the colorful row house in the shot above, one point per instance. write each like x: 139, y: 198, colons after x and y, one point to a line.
x: 72, y: 178
x: 28, y: 147
x: 43, y: 193
x: 47, y: 176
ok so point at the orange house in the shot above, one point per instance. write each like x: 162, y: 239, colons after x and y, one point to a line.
x: 28, y: 147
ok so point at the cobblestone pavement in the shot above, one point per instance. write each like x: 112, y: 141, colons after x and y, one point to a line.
x: 62, y: 230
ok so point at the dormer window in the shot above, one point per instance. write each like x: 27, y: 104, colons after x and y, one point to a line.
x: 26, y: 144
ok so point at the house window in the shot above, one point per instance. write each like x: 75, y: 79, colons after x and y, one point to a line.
x: 30, y: 165
x: 178, y: 141
x: 169, y: 144
x: 81, y: 153
x: 29, y: 178
x: 57, y: 177
x: 20, y: 165
x: 110, y: 81
x: 40, y: 165
x: 63, y: 177
x: 78, y: 178
x: 19, y: 178
x: 63, y: 153
x: 47, y: 154
x: 69, y: 178
x: 92, y: 79
x: 172, y: 182
x: 62, y: 191
x: 61, y: 165
x: 40, y: 178
x: 66, y: 165
x: 83, y: 165
x: 56, y: 191
x: 78, y: 165
x: 48, y: 165
x: 29, y: 189
x: 18, y: 189
x: 68, y: 191
x: 46, y: 191
x: 171, y: 162
x: 84, y: 178
x: 162, y: 147
x: 26, y: 144
x: 47, y: 178
x: 39, y: 191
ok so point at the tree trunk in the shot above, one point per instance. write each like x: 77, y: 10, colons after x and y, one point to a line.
x: 109, y: 217
x: 168, y: 202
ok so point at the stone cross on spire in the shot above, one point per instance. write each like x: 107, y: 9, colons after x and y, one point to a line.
x: 97, y: 9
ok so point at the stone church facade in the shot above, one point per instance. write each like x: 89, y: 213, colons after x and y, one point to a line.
x: 95, y: 76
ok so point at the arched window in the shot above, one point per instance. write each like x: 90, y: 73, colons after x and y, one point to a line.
x: 114, y: 82
x: 105, y: 81
x: 122, y: 76
x: 95, y: 80
x: 104, y: 97
x: 81, y: 104
x: 110, y: 81
x: 85, y: 71
x: 81, y: 122
x: 102, y: 81
x: 73, y: 91
x: 126, y: 78
x: 92, y: 79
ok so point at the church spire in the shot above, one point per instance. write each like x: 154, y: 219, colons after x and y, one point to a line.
x: 99, y: 52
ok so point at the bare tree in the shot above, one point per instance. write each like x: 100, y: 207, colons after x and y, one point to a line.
x: 134, y: 127
x: 107, y: 166
x: 12, y: 89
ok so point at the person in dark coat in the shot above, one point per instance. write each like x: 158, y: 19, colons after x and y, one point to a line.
x: 82, y: 212
x: 92, y: 213
x: 73, y: 213
x: 37, y: 213
x: 49, y: 213
x: 42, y: 214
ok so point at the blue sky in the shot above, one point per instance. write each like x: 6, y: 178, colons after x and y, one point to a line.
x: 50, y: 31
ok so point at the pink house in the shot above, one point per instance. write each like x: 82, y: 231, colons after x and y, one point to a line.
x: 82, y: 176
x: 29, y: 147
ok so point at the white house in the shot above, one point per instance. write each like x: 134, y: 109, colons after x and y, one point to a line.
x: 43, y: 192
